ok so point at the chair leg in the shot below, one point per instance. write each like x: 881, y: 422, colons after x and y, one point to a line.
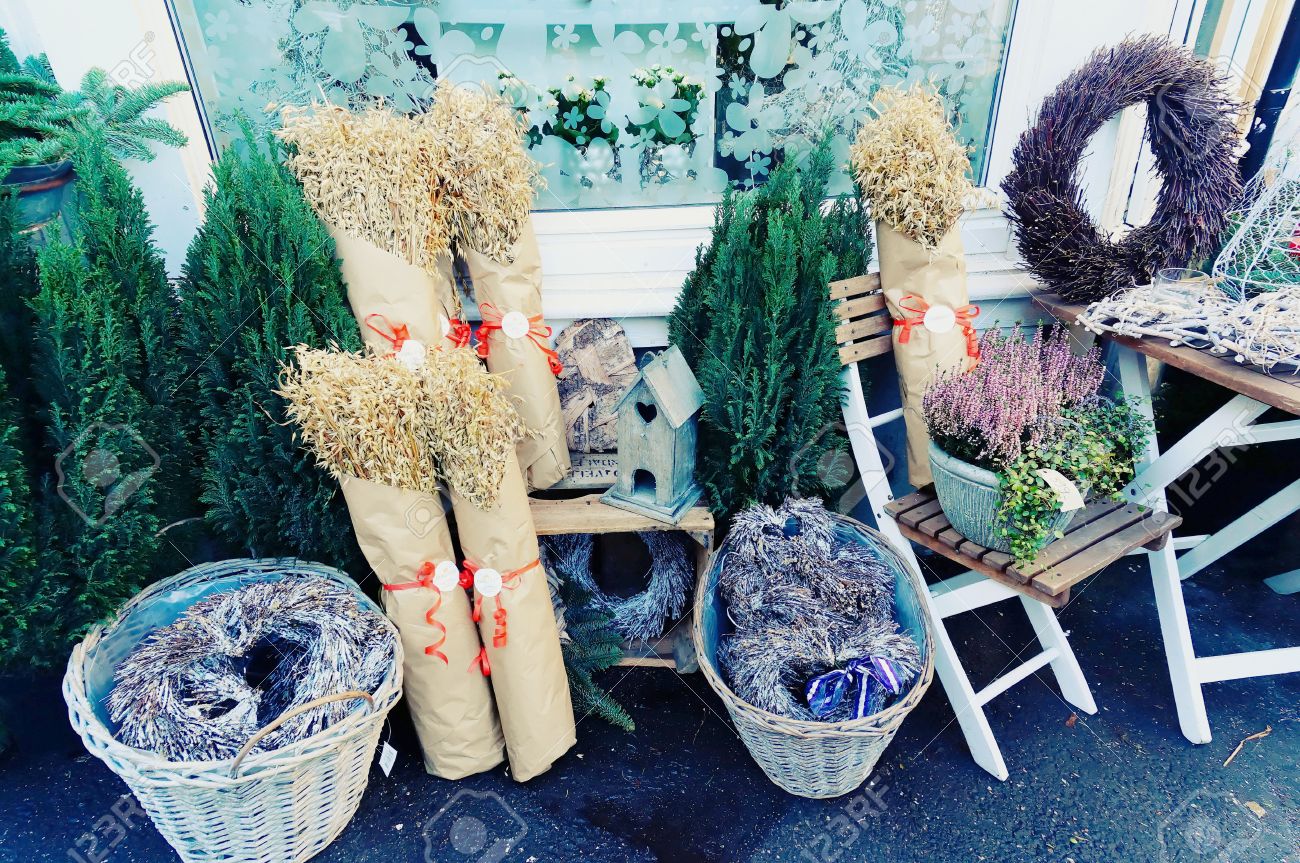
x: 970, y: 713
x: 1069, y: 676
x: 1179, y: 652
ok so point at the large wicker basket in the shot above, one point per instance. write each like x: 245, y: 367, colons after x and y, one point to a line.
x: 282, y: 806
x: 817, y: 759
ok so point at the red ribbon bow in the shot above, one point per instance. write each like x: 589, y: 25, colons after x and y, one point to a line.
x: 509, y: 581
x: 537, y: 333
x: 965, y: 317
x: 460, y: 333
x: 397, y: 334
x: 425, y: 573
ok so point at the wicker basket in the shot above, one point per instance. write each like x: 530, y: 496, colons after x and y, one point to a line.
x: 281, y: 806
x: 817, y: 759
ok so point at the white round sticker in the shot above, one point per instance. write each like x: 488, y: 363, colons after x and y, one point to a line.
x: 940, y: 319
x: 487, y: 582
x: 444, y: 325
x: 412, y: 354
x: 446, y: 576
x: 515, y: 325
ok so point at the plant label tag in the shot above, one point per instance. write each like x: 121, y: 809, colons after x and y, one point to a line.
x: 387, y: 758
x: 515, y: 325
x: 487, y: 582
x: 446, y: 576
x: 1066, y: 492
x: 939, y: 319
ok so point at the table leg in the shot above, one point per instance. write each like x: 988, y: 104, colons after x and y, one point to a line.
x: 1174, y: 628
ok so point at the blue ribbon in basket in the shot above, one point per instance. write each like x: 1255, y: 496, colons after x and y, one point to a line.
x: 826, y: 691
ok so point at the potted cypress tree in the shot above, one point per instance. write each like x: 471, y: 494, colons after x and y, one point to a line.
x: 1019, y: 441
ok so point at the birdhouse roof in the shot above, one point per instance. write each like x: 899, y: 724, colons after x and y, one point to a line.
x: 673, y: 386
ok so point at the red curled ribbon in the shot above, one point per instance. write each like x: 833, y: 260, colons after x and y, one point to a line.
x: 397, y: 334
x: 480, y: 661
x: 965, y: 317
x: 509, y: 581
x: 425, y: 573
x: 537, y: 333
x: 460, y: 333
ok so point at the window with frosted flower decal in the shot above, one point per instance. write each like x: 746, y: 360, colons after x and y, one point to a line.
x: 626, y: 105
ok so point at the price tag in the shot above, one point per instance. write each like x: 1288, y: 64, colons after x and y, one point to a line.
x: 387, y: 758
x: 1066, y: 492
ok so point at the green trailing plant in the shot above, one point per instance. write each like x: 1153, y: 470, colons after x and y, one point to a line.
x: 261, y: 277
x: 593, y: 645
x: 756, y: 324
x: 38, y: 119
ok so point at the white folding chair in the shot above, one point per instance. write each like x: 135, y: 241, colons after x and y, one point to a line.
x: 864, y: 332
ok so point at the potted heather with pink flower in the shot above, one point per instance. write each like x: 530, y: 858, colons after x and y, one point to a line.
x: 1009, y: 436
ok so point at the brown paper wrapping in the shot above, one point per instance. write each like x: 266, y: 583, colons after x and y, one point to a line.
x: 517, y: 286
x: 380, y: 282
x: 528, y: 678
x: 937, y: 276
x: 398, y: 530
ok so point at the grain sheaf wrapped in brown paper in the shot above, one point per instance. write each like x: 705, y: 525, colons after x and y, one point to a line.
x: 517, y: 626
x: 916, y: 280
x: 910, y: 166
x: 485, y: 186
x: 368, y: 419
x: 514, y: 342
x: 368, y: 176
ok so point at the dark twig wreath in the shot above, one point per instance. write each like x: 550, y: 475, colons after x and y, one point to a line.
x: 1191, y: 127
x: 643, y: 616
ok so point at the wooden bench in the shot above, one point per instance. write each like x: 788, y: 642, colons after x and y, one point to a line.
x: 1098, y: 536
x: 586, y: 514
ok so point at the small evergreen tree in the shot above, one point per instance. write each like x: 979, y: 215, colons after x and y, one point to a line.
x: 261, y: 277
x: 104, y: 368
x: 758, y: 313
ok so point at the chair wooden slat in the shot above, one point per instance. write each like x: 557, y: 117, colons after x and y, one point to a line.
x: 874, y: 347
x: 851, y: 331
x: 858, y: 285
x: 862, y: 306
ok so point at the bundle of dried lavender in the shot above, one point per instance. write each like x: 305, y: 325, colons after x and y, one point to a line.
x: 804, y: 603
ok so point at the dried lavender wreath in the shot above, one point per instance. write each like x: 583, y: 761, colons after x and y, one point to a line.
x: 198, y: 689
x: 644, y: 615
x: 1191, y: 127
x: 1030, y: 405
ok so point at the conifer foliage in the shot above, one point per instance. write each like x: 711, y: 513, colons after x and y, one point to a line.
x: 754, y: 320
x: 111, y: 451
x: 593, y: 645
x: 261, y: 277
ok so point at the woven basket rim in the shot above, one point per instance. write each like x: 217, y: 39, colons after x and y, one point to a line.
x: 867, y: 726
x: 149, y: 767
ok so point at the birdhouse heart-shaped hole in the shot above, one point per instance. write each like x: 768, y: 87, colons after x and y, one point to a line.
x: 647, y: 412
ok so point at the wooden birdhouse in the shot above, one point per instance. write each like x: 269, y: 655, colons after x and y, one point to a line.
x: 657, y: 429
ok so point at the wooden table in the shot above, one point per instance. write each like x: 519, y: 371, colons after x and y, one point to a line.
x: 587, y: 514
x: 1233, y: 426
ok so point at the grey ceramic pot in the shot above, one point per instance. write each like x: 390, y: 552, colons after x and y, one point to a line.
x: 970, y: 498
